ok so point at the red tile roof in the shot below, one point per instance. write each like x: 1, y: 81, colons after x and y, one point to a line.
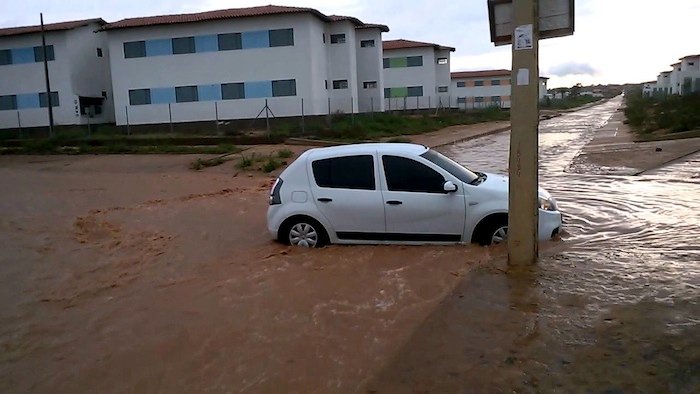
x: 231, y: 13
x: 69, y: 25
x: 403, y: 44
x: 358, y: 23
x: 480, y: 74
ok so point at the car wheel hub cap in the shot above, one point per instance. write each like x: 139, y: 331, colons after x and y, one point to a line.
x: 303, y: 234
x: 500, y: 235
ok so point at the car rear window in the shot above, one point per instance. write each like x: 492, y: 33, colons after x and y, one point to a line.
x: 347, y: 172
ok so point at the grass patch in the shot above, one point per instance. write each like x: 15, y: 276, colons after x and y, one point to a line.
x: 568, y: 102
x: 204, y: 163
x: 285, y: 154
x: 664, y: 115
x: 270, y: 165
x: 245, y: 162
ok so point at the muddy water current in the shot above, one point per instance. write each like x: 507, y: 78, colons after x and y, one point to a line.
x: 613, y: 307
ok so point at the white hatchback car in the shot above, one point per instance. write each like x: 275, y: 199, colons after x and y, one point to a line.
x: 392, y: 193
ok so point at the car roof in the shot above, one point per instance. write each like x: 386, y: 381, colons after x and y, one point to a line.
x: 385, y: 147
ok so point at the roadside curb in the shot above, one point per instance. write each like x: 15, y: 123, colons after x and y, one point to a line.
x: 471, y: 137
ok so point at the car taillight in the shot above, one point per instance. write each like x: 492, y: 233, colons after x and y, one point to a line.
x: 275, y: 192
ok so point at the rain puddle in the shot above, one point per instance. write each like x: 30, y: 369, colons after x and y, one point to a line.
x: 613, y: 308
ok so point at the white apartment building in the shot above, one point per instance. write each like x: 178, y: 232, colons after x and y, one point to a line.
x: 228, y: 64
x: 416, y: 74
x: 78, y: 71
x: 486, y: 88
x: 688, y: 77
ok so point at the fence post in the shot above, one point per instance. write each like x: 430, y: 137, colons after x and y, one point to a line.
x: 267, y: 117
x: 371, y: 106
x: 88, y: 120
x: 328, y: 118
x: 429, y: 106
x: 19, y: 125
x: 303, y: 125
x: 170, y: 117
x: 352, y: 110
x: 216, y: 116
x: 128, y: 128
x: 404, y: 103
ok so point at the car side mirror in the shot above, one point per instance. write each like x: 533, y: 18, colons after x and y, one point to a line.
x: 449, y: 187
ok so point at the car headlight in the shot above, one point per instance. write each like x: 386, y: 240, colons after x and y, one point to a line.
x: 547, y: 204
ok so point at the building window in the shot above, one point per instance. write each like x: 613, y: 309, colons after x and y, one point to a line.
x: 442, y: 60
x: 340, y: 84
x: 415, y: 91
x: 495, y: 99
x: 8, y: 102
x: 323, y: 36
x: 39, y: 53
x: 479, y: 99
x: 104, y: 93
x: 478, y: 83
x: 139, y: 96
x: 284, y: 87
x: 387, y: 92
x: 186, y: 94
x: 134, y: 49
x: 99, y: 52
x: 495, y: 82
x: 461, y: 100
x: 282, y: 38
x: 414, y: 61
x: 369, y: 84
x: 442, y: 89
x: 367, y: 44
x: 691, y: 63
x: 461, y: 84
x: 183, y: 45
x: 386, y: 62
x: 326, y: 83
x: 232, y: 91
x: 337, y: 38
x: 5, y: 57
x: 44, y: 102
x: 230, y: 41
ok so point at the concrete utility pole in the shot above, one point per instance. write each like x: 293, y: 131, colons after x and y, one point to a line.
x: 46, y: 75
x: 524, y: 119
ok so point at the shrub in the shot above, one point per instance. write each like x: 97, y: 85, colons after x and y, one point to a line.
x: 285, y: 153
x: 270, y: 165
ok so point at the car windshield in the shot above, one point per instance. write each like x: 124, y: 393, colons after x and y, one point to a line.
x: 449, y: 165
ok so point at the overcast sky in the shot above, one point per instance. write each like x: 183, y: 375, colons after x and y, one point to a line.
x: 616, y: 41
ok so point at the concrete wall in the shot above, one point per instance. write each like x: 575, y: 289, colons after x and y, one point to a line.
x: 369, y: 68
x: 430, y: 76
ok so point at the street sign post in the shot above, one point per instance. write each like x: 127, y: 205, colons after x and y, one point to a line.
x: 522, y: 23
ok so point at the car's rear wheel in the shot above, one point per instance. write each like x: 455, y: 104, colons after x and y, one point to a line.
x: 305, y: 232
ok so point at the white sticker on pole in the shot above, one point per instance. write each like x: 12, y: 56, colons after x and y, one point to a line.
x: 523, y: 37
x: 523, y: 77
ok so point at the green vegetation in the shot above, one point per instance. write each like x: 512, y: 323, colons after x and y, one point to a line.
x: 381, y: 125
x: 285, y: 153
x: 58, y: 146
x: 271, y: 164
x: 245, y: 162
x: 204, y: 163
x: 662, y: 115
x: 568, y: 102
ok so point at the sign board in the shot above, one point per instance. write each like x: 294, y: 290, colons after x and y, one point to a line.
x: 556, y: 19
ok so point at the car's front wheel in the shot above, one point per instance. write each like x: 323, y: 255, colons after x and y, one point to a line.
x: 492, y: 231
x: 304, y: 232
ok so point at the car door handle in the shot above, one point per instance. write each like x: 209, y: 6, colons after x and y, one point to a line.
x: 394, y: 202
x: 325, y: 199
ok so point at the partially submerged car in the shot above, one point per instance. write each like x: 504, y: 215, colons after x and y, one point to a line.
x: 392, y: 193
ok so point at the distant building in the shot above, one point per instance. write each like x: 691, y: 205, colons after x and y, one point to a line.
x: 416, y: 74
x: 486, y: 88
x: 227, y: 64
x: 78, y: 63
x: 689, y: 75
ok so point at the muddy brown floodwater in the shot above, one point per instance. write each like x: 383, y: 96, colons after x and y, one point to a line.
x: 614, y: 310
x: 134, y: 273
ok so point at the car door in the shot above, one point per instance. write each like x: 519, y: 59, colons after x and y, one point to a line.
x: 346, y: 192
x: 415, y: 204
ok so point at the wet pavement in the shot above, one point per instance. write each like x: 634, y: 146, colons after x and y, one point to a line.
x: 613, y: 308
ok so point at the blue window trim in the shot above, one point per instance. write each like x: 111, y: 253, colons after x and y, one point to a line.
x: 255, y: 39
x: 160, y: 47
x: 208, y: 43
x: 162, y: 95
x: 28, y: 100
x: 23, y: 55
x: 258, y: 89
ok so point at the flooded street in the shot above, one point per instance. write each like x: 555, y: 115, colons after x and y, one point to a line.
x: 613, y: 308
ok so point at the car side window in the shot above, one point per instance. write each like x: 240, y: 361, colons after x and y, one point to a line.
x: 406, y: 175
x: 347, y: 172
